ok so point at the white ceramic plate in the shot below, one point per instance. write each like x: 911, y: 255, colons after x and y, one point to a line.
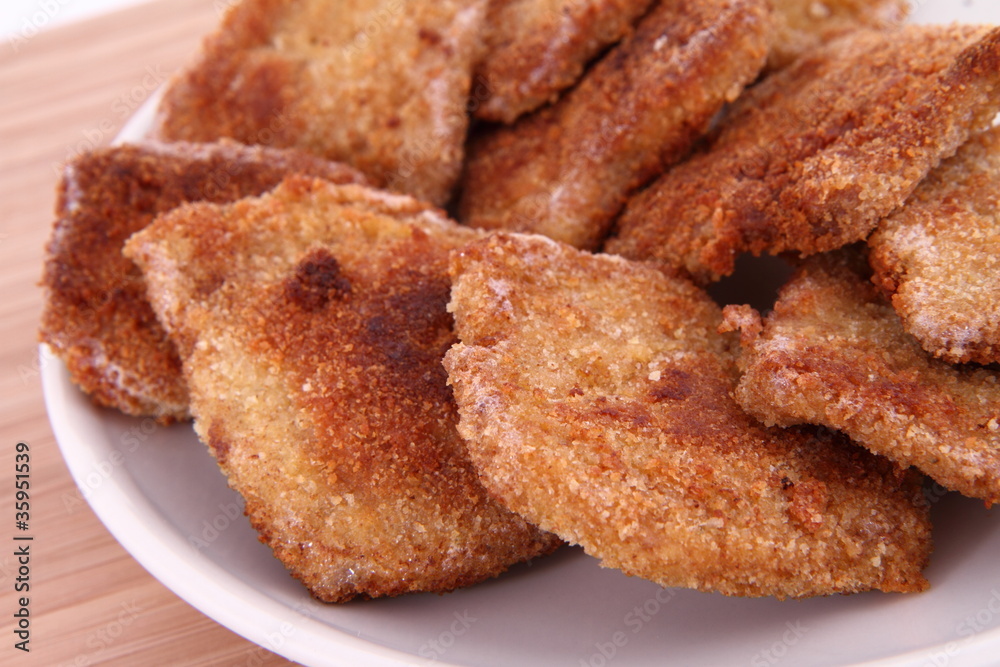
x: 161, y: 495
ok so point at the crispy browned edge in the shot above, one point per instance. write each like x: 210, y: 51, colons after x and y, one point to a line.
x: 95, y: 315
x: 936, y: 257
x: 833, y: 352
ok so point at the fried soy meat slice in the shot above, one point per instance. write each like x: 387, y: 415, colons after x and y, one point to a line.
x: 96, y: 317
x: 567, y: 170
x: 938, y: 257
x: 312, y: 322
x: 538, y: 48
x: 804, y: 25
x: 380, y: 84
x: 817, y: 154
x: 595, y: 398
x: 833, y: 352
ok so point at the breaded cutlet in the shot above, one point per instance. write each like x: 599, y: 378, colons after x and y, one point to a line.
x: 938, y: 257
x: 566, y: 170
x: 538, y: 48
x: 312, y: 322
x: 595, y: 399
x: 834, y: 352
x: 96, y: 317
x: 813, y: 157
x: 382, y: 85
x: 803, y: 25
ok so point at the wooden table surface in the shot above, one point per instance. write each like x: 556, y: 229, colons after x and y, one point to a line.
x: 62, y: 91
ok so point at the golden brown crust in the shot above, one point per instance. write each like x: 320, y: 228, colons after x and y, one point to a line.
x: 567, y: 170
x: 379, y: 84
x: 538, y: 48
x: 813, y: 157
x: 96, y: 317
x: 834, y: 353
x: 804, y: 25
x: 594, y: 395
x: 312, y: 322
x: 938, y: 257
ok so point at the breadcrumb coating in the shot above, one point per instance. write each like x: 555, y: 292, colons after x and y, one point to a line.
x: 595, y: 399
x: 567, y: 170
x: 804, y: 25
x: 382, y: 85
x: 96, y: 317
x: 312, y: 322
x: 812, y: 158
x: 938, y: 257
x: 538, y: 48
x: 834, y: 353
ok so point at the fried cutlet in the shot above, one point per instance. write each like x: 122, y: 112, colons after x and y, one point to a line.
x: 803, y: 25
x: 594, y: 396
x: 382, y: 85
x: 312, y: 322
x: 834, y: 353
x: 813, y: 157
x: 566, y: 170
x: 538, y: 48
x: 96, y: 317
x: 938, y: 257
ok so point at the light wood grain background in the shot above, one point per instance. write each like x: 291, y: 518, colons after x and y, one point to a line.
x: 62, y: 91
